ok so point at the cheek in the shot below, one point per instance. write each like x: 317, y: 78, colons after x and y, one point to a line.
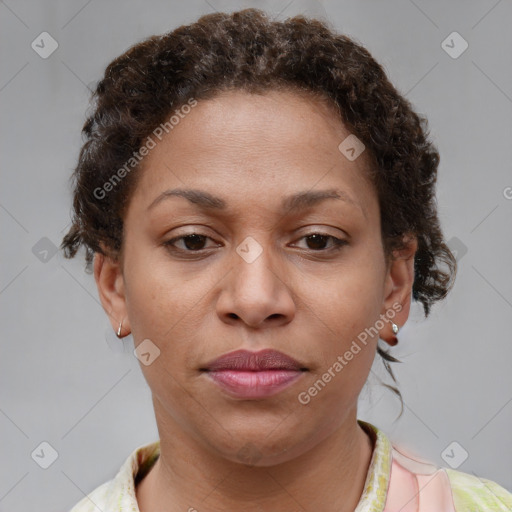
x: 343, y: 310
x: 172, y: 310
x: 158, y: 296
x: 347, y: 301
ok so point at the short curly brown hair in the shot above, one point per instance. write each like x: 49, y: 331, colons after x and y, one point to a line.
x: 248, y: 51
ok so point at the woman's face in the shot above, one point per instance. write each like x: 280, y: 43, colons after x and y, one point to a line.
x: 254, y: 278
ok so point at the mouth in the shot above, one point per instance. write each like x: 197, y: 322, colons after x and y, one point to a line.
x: 245, y: 374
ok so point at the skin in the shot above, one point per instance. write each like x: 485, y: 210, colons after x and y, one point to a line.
x: 308, y: 301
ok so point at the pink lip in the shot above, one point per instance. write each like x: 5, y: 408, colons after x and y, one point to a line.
x: 245, y: 374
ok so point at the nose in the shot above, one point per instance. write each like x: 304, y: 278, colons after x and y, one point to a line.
x: 256, y: 293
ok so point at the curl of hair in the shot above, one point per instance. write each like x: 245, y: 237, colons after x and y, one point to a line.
x: 248, y: 51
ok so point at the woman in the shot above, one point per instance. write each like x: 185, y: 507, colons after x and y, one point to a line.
x: 258, y: 204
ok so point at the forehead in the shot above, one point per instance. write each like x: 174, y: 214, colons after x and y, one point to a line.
x: 277, y: 119
x: 242, y: 144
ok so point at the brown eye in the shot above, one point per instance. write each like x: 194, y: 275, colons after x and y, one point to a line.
x: 318, y: 242
x: 193, y: 242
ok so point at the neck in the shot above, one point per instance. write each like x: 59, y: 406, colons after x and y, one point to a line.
x: 188, y: 476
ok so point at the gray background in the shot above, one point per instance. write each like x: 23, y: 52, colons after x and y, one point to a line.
x: 64, y: 383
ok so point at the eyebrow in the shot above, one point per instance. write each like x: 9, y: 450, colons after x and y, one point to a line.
x: 292, y: 203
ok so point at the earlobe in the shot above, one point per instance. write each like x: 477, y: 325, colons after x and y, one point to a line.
x: 398, y: 290
x: 110, y: 283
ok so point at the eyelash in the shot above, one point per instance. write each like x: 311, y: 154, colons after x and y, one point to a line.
x: 338, y: 243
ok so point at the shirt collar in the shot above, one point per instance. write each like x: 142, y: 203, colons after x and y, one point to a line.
x: 373, y: 498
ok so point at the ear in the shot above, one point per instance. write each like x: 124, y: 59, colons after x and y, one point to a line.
x: 110, y: 283
x: 398, y: 288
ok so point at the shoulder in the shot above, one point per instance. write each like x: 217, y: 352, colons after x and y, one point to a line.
x: 119, y: 492
x: 472, y: 493
x: 424, y: 486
